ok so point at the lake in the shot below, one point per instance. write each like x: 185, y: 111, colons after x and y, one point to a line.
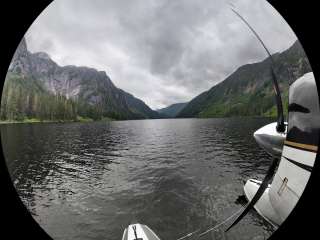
x: 91, y: 180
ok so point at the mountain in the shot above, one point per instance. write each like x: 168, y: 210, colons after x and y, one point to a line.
x: 172, y: 110
x: 91, y: 93
x: 249, y: 90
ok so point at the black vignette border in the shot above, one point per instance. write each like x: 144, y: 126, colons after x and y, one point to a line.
x: 302, y: 16
x: 16, y: 221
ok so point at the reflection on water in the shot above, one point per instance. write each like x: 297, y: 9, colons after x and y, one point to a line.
x: 90, y: 180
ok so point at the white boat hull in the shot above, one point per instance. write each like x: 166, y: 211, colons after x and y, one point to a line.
x: 297, y: 156
x: 263, y: 206
x: 139, y: 232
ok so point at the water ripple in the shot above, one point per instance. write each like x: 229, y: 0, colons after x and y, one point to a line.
x: 90, y: 180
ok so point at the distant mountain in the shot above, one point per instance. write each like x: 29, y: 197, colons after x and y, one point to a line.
x: 172, y: 110
x: 91, y: 93
x: 249, y: 90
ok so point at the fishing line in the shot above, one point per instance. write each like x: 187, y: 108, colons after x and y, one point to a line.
x: 215, y: 226
x: 189, y: 234
x: 223, y: 222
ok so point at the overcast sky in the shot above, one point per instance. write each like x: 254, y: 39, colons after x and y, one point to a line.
x: 161, y: 51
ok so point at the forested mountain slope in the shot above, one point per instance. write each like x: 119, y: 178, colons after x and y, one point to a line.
x: 249, y: 90
x: 37, y: 87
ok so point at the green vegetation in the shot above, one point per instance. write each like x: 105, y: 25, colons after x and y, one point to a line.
x: 249, y: 90
x: 260, y: 103
x: 25, y: 100
x: 84, y: 119
x: 37, y: 89
x: 172, y: 111
x: 35, y: 120
x: 246, y: 92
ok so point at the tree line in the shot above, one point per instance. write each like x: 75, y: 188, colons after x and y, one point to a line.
x: 26, y: 98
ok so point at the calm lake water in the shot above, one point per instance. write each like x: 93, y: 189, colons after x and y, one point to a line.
x: 90, y: 180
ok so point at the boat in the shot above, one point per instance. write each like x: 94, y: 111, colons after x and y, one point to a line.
x: 299, y: 149
x: 293, y: 146
x: 139, y: 231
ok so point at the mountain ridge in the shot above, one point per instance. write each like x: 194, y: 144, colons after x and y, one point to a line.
x: 91, y: 90
x: 172, y: 110
x: 248, y: 90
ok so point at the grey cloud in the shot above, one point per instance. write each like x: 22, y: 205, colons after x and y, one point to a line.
x: 161, y: 51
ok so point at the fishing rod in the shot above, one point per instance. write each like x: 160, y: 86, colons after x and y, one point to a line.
x: 280, y: 128
x: 280, y: 121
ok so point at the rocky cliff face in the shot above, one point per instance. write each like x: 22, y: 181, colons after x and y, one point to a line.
x: 83, y: 84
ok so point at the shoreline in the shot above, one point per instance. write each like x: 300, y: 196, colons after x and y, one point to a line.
x: 87, y: 120
x: 34, y: 120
